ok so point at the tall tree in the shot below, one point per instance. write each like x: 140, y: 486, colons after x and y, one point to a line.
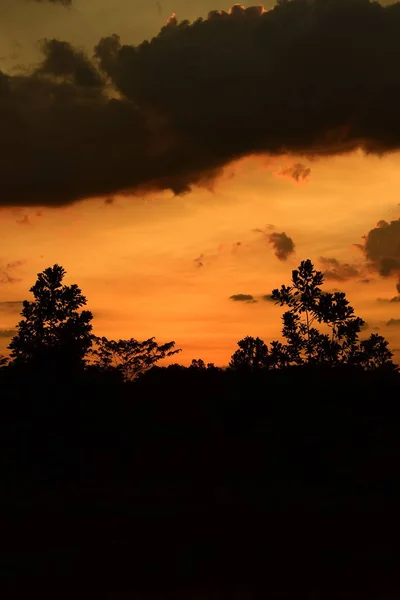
x: 54, y: 330
x: 339, y: 343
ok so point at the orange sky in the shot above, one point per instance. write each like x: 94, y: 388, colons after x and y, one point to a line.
x: 135, y: 259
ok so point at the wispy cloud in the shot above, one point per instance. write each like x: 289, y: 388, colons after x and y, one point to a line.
x: 248, y: 298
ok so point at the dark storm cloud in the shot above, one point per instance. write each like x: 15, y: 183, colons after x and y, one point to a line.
x: 310, y: 77
x: 335, y: 270
x: 282, y: 243
x: 63, y: 60
x: 248, y: 298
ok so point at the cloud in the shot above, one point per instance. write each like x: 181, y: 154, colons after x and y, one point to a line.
x: 242, y: 298
x: 25, y: 220
x: 393, y: 323
x: 390, y: 300
x: 283, y: 245
x: 248, y: 298
x: 267, y: 298
x: 7, y: 333
x: 268, y: 227
x: 382, y: 247
x: 298, y: 172
x: 338, y: 271
x: 199, y: 261
x: 63, y: 60
x: 171, y: 112
x: 7, y: 272
x: 13, y: 306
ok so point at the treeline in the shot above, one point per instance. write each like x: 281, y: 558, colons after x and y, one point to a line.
x: 279, y: 474
x: 55, y: 333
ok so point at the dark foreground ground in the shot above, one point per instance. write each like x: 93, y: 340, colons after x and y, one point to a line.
x: 201, y: 485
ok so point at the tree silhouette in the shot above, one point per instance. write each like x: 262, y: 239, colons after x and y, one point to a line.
x: 340, y: 344
x: 198, y: 364
x: 130, y: 358
x: 53, y: 331
x: 252, y: 355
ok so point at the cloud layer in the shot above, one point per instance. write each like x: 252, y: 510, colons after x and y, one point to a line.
x: 310, y: 78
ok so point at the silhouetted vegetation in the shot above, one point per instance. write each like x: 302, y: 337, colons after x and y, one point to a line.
x: 279, y: 473
x: 306, y: 345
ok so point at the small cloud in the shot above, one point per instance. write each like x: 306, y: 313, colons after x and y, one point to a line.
x: 283, y: 245
x: 12, y: 306
x: 390, y: 300
x: 298, y: 172
x: 7, y: 333
x: 264, y: 230
x: 7, y: 274
x: 382, y: 249
x: 24, y: 221
x: 365, y: 281
x: 393, y: 323
x: 247, y: 298
x: 199, y: 261
x: 109, y: 200
x: 267, y: 298
x: 338, y: 271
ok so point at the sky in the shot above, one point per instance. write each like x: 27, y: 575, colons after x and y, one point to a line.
x: 179, y: 182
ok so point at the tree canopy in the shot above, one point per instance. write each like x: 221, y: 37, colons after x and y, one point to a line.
x: 130, y: 358
x: 54, y: 329
x: 319, y: 328
x: 336, y: 343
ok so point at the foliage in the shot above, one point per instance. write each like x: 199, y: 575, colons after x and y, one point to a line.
x: 198, y: 364
x: 54, y: 330
x: 130, y: 358
x: 309, y: 306
x: 252, y: 355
